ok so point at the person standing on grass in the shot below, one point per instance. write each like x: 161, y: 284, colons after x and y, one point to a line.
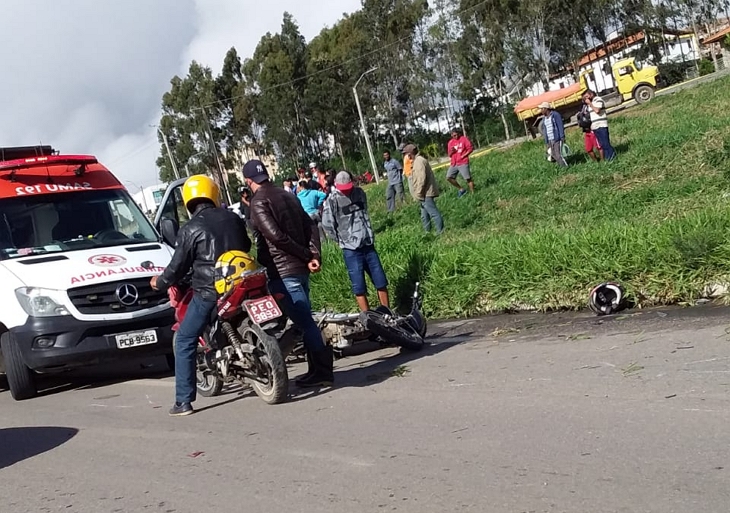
x: 425, y: 190
x: 599, y: 123
x: 554, y: 133
x: 407, y: 165
x: 394, y: 172
x: 593, y: 149
x: 345, y: 219
x: 459, y: 148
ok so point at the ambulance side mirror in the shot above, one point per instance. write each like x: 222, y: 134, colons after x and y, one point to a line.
x: 168, y: 230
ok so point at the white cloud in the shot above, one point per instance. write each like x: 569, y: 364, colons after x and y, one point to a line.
x: 87, y: 76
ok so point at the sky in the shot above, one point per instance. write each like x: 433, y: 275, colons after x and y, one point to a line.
x: 87, y: 76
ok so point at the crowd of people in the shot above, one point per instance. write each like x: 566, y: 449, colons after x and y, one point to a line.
x: 287, y: 224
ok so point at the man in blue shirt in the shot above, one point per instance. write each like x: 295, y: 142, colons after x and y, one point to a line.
x: 554, y: 132
x: 394, y: 172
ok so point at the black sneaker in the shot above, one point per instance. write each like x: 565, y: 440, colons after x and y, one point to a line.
x: 316, y: 379
x: 181, y: 409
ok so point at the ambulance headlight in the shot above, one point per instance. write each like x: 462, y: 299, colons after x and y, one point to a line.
x: 37, y: 302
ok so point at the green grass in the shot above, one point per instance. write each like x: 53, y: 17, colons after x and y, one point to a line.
x: 535, y: 236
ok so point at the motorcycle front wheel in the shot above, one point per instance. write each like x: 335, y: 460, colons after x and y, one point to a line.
x: 392, y: 329
x: 267, y: 361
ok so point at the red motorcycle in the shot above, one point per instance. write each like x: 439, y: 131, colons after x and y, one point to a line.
x: 237, y: 345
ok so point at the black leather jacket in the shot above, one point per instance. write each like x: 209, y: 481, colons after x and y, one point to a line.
x: 286, y: 239
x: 210, y: 233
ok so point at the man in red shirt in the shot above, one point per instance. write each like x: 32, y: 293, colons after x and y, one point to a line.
x: 459, y: 149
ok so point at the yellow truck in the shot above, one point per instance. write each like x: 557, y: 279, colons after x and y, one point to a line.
x: 631, y: 79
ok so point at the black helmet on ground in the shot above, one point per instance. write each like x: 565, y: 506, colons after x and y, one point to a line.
x: 607, y: 298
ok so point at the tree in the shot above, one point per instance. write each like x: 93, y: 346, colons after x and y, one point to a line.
x: 392, y: 25
x: 182, y: 122
x: 328, y: 98
x: 276, y: 82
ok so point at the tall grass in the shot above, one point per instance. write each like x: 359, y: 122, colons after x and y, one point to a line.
x: 535, y: 236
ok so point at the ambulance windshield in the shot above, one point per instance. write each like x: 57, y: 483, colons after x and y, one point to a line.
x: 70, y: 221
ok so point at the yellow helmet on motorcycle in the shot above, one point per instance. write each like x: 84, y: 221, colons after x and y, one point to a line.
x: 200, y: 187
x: 230, y: 268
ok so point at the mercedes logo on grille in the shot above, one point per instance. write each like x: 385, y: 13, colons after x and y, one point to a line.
x: 127, y: 294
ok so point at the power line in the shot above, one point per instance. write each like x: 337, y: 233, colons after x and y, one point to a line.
x: 314, y: 74
x: 334, y: 66
x: 132, y: 153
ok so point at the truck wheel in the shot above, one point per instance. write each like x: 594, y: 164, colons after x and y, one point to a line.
x: 643, y: 93
x: 21, y: 380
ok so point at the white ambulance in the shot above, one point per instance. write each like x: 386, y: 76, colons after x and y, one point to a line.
x: 76, y: 258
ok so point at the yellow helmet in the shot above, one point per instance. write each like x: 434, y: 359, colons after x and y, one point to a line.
x: 230, y: 268
x: 200, y: 186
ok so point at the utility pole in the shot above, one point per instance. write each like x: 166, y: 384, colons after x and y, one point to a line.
x: 169, y: 153
x: 142, y: 191
x: 364, y: 128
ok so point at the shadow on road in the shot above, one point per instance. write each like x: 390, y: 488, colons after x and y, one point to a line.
x: 371, y: 372
x: 100, y: 376
x: 22, y: 443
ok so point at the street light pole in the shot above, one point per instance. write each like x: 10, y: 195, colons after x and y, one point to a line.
x: 169, y: 153
x: 364, y: 128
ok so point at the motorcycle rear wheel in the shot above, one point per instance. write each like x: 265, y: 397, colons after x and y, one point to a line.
x: 208, y: 383
x: 274, y: 385
x: 392, y: 330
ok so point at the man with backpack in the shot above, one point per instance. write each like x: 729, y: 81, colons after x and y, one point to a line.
x: 594, y: 150
x: 345, y: 219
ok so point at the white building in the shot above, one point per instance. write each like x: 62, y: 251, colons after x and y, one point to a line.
x: 149, y: 198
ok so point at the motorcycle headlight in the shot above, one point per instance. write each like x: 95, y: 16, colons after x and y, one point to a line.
x: 37, y: 302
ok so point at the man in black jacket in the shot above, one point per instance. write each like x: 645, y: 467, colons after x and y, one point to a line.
x: 287, y: 244
x: 210, y: 232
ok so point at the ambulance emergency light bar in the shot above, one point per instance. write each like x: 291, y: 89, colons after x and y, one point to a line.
x: 24, y: 152
x: 13, y: 166
x: 51, y: 160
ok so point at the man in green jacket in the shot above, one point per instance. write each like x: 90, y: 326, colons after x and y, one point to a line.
x: 424, y: 189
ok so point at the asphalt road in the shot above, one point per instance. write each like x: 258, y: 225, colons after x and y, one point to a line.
x: 505, y: 414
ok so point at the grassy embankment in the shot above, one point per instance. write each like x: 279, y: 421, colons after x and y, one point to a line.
x: 535, y: 236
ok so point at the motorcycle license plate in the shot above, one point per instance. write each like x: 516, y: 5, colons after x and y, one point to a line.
x: 263, y: 309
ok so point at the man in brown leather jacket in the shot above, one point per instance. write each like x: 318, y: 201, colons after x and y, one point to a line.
x: 288, y: 245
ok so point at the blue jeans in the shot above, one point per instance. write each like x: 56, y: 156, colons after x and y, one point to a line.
x: 393, y: 191
x: 298, y: 308
x: 430, y: 215
x: 604, y: 141
x: 361, y: 261
x: 186, y: 347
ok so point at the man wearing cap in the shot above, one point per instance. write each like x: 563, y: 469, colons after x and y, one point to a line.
x: 554, y: 133
x: 288, y: 246
x: 424, y: 189
x: 345, y: 219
